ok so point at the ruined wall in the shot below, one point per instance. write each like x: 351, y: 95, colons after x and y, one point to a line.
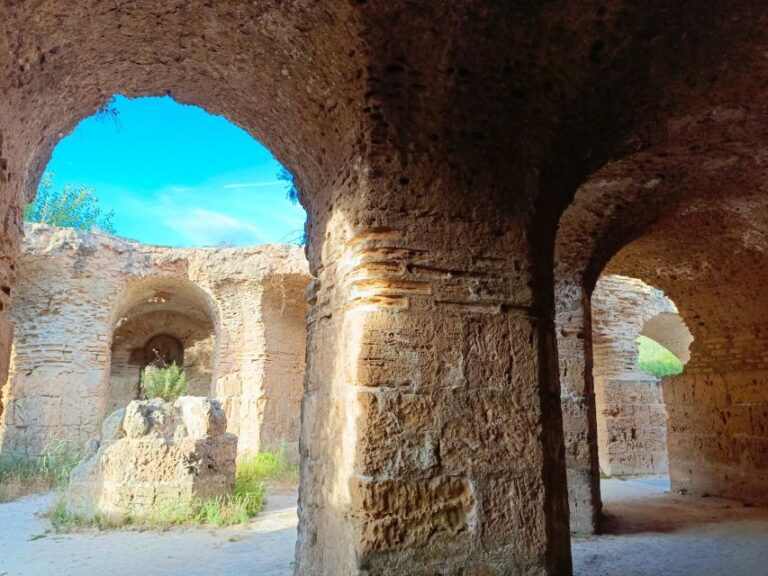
x: 285, y: 319
x: 631, y: 416
x: 435, y: 145
x: 632, y: 427
x: 718, y: 419
x: 75, y: 290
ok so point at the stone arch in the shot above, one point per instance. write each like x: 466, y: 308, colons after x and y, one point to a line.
x: 207, y: 60
x: 441, y: 136
x: 168, y: 307
x: 669, y: 330
x: 631, y: 412
x: 624, y: 308
x: 716, y: 423
x: 295, y: 76
x: 701, y: 174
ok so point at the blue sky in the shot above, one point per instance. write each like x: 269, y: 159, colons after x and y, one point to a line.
x: 178, y: 176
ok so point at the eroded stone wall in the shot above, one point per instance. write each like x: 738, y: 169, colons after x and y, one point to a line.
x: 76, y: 290
x: 285, y: 315
x: 631, y: 415
x: 632, y: 427
x: 718, y: 420
x: 462, y: 130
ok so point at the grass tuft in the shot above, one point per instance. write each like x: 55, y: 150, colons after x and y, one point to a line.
x: 268, y: 467
x: 21, y: 475
x: 656, y: 359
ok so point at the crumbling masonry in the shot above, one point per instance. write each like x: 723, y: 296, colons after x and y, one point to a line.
x: 90, y: 305
x: 469, y: 170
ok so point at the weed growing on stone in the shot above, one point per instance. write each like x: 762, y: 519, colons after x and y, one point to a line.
x: 63, y: 521
x: 165, y: 381
x: 21, y: 475
x: 228, y: 511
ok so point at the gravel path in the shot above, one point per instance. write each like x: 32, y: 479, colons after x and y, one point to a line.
x: 651, y: 532
x: 263, y: 547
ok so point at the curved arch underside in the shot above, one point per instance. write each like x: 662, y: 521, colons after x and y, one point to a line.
x: 435, y: 148
x: 669, y: 330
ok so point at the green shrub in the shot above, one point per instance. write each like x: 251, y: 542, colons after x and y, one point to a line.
x: 21, y: 475
x: 166, y: 382
x: 268, y: 467
x: 656, y: 359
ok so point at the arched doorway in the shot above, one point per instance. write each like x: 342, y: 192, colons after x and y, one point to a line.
x: 162, y: 320
x: 631, y: 412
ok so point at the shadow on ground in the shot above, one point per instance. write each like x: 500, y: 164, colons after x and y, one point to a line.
x: 651, y: 532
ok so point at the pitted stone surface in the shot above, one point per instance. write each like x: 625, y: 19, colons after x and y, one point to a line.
x: 631, y: 414
x: 155, y: 453
x: 436, y: 146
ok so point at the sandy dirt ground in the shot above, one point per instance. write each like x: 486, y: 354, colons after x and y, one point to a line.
x: 650, y: 532
x: 263, y: 547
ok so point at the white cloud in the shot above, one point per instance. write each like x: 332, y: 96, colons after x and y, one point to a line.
x: 237, y: 185
x: 203, y: 227
x: 240, y: 211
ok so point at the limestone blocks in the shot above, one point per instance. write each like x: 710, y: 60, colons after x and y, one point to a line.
x: 153, y: 452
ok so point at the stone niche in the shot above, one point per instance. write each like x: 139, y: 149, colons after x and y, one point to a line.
x: 163, y: 349
x: 161, y: 321
x: 155, y: 452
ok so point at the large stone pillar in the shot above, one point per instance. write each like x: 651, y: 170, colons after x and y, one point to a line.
x: 574, y: 342
x: 431, y: 434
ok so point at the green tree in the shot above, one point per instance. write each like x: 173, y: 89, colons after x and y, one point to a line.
x: 293, y: 196
x: 69, y: 207
x: 291, y: 193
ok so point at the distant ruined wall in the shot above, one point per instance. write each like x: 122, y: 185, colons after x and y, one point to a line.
x: 284, y: 310
x: 631, y: 412
x: 718, y: 419
x: 632, y: 427
x: 77, y: 290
